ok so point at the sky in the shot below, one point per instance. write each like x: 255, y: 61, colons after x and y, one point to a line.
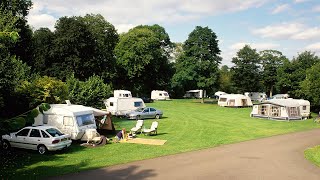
x: 289, y: 26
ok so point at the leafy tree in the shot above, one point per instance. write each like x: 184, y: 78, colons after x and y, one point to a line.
x: 291, y: 74
x: 90, y: 93
x: 18, y: 9
x: 43, y: 90
x: 198, y: 66
x: 142, y: 60
x: 225, y: 81
x: 310, y: 87
x: 271, y: 60
x: 106, y: 38
x: 42, y: 43
x: 246, y: 72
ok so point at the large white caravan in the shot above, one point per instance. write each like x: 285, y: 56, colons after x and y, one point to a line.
x: 287, y: 109
x: 159, y: 95
x: 76, y: 120
x: 195, y: 94
x: 122, y: 103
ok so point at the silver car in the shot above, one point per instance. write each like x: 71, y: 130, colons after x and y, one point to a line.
x: 144, y: 113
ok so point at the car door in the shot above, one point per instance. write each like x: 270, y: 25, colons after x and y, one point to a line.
x: 20, y: 139
x: 153, y: 113
x: 146, y: 113
x: 34, y: 138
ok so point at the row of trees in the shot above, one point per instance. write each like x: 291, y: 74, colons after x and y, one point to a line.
x: 85, y: 58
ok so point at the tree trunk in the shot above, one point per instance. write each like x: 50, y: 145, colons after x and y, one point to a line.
x: 271, y: 89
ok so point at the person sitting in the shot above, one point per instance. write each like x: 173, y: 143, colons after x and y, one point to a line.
x: 121, y: 135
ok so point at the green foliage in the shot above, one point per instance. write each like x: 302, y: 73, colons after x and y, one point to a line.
x: 310, y: 87
x: 44, y: 90
x: 225, y: 81
x: 271, y: 60
x: 291, y: 74
x: 313, y: 155
x: 246, y: 72
x: 89, y: 93
x: 198, y: 66
x: 142, y: 61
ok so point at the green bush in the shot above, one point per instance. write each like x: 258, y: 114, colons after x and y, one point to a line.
x: 89, y: 93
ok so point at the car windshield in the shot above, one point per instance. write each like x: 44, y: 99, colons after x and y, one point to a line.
x: 54, y: 132
x: 85, y: 119
x: 139, y: 109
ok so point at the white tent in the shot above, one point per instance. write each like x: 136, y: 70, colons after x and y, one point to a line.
x: 287, y: 109
x: 234, y: 100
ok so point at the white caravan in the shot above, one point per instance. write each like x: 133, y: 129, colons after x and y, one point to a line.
x: 256, y: 96
x: 195, y: 94
x: 234, y: 100
x: 122, y: 103
x: 159, y: 95
x: 219, y: 93
x: 280, y: 96
x: 76, y: 120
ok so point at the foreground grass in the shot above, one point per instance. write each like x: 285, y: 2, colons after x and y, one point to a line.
x: 313, y: 155
x: 187, y: 125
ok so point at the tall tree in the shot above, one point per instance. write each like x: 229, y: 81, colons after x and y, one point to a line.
x: 141, y: 57
x: 271, y: 60
x: 291, y: 74
x: 310, y: 87
x: 198, y: 66
x: 225, y: 82
x: 246, y: 72
x: 19, y: 9
x: 42, y: 43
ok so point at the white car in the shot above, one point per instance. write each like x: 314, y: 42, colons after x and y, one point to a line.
x: 41, y: 138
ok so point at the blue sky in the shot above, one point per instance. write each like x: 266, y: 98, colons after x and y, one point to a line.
x: 290, y: 26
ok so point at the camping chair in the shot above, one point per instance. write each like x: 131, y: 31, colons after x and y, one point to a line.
x: 153, y: 129
x: 138, y: 127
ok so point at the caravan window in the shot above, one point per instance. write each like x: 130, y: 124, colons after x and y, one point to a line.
x: 138, y: 104
x: 111, y: 103
x: 85, y: 119
x: 67, y: 121
x: 223, y: 99
x: 304, y: 108
x: 160, y: 94
x: 165, y: 94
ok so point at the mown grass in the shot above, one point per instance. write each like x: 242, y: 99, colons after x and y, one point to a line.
x: 187, y: 125
x: 313, y: 155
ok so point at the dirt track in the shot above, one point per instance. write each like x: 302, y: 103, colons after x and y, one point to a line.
x: 279, y: 157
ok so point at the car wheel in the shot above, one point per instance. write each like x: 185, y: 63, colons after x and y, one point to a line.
x: 157, y: 116
x: 42, y: 149
x: 138, y: 117
x: 6, y: 145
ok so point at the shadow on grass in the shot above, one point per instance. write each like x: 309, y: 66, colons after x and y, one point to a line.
x: 132, y: 172
x: 15, y: 160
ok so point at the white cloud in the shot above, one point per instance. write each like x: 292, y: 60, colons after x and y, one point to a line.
x: 42, y: 20
x: 313, y: 47
x: 316, y: 9
x: 300, y: 1
x: 127, y: 12
x: 258, y: 46
x: 295, y: 31
x: 311, y: 33
x: 122, y: 28
x: 281, y: 8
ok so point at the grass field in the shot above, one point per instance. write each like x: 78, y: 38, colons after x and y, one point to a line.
x: 313, y: 155
x: 187, y: 125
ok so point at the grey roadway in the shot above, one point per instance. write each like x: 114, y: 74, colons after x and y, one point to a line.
x: 278, y: 157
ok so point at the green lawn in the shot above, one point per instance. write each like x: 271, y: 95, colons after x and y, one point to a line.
x: 313, y: 155
x: 187, y: 125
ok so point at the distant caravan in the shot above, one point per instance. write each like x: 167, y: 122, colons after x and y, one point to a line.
x: 234, y: 100
x: 160, y: 95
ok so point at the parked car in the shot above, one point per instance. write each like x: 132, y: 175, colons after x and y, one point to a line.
x: 147, y: 100
x: 143, y: 113
x: 41, y: 138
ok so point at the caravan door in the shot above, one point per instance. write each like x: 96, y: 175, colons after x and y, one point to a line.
x: 68, y: 125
